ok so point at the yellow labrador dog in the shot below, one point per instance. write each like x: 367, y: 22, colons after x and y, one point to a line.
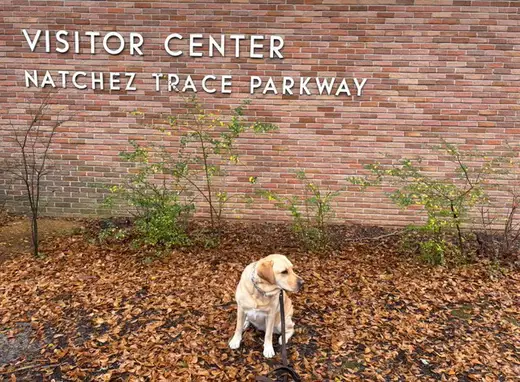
x: 258, y: 303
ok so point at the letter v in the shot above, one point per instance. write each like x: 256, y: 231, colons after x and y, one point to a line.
x: 32, y: 44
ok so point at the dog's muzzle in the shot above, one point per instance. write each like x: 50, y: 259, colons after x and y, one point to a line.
x: 299, y: 285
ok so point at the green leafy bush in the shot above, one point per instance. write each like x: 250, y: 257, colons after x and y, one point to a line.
x: 446, y: 200
x: 310, y: 213
x: 161, y: 216
x: 165, y: 225
x: 165, y: 184
x: 206, y: 143
x: 112, y: 232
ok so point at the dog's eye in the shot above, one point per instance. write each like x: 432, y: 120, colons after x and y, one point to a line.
x: 285, y: 272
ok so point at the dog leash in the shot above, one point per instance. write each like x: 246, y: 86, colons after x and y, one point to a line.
x: 283, y: 372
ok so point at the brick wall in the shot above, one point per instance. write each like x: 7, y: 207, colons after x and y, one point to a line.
x: 435, y: 68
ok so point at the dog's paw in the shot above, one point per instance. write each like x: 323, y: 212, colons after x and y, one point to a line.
x: 234, y: 343
x: 287, y: 338
x: 268, y: 351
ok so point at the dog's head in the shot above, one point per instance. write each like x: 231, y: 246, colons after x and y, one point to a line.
x: 278, y: 270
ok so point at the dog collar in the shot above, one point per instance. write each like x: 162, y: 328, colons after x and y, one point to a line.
x: 262, y: 292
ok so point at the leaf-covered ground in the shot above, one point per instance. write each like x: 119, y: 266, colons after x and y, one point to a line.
x: 15, y: 232
x: 102, y: 312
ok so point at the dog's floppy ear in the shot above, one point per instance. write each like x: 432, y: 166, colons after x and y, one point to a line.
x: 265, y: 271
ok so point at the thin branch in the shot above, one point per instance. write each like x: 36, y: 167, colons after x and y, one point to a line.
x: 361, y: 240
x: 29, y: 367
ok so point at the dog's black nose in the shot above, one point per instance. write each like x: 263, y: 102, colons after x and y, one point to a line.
x: 300, y: 283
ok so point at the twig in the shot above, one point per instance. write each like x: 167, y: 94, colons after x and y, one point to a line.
x: 377, y: 237
x: 31, y: 367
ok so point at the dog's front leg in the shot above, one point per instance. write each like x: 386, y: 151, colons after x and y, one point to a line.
x: 234, y: 343
x: 268, y: 339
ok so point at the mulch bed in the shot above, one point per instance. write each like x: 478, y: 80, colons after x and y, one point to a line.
x: 6, y: 217
x: 15, y: 232
x: 109, y: 312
